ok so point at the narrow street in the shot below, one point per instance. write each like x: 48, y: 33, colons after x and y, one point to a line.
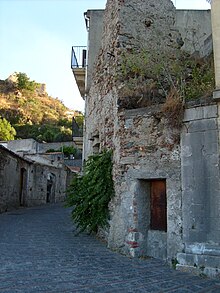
x: 39, y: 253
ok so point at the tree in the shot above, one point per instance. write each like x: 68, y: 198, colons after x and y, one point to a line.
x: 24, y: 83
x: 64, y: 134
x: 7, y: 132
x: 79, y: 120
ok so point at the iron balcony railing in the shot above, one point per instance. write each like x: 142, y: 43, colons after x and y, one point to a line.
x: 78, y: 57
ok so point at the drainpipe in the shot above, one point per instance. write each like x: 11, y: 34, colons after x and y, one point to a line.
x: 215, y: 13
x: 87, y: 18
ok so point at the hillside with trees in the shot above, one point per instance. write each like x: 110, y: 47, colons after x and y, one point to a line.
x: 27, y: 111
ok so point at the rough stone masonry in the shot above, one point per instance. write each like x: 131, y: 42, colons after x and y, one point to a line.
x: 149, y: 160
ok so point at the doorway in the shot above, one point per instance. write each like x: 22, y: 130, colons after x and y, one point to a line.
x: 158, y: 204
x: 152, y: 216
x: 51, y: 178
x: 23, y: 187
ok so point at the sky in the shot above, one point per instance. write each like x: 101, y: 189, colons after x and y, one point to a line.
x: 36, y: 37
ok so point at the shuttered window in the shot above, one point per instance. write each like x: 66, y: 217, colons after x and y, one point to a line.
x: 158, y: 202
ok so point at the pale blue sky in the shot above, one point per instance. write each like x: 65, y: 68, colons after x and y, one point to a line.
x: 36, y: 37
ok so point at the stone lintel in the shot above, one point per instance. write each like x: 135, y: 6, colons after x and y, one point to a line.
x: 199, y: 113
x: 216, y: 95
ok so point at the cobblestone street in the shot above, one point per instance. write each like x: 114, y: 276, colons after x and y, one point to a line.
x: 39, y: 253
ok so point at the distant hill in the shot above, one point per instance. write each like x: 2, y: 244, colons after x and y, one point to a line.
x: 34, y: 114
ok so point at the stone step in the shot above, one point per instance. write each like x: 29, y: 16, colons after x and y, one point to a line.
x: 199, y: 264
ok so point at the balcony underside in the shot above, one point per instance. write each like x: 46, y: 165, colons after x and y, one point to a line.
x: 79, y: 74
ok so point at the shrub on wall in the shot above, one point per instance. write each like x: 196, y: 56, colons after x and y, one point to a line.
x: 90, y: 194
x: 148, y: 78
x: 173, y: 109
x: 67, y: 150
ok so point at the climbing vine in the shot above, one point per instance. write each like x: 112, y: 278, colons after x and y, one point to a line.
x: 89, y: 194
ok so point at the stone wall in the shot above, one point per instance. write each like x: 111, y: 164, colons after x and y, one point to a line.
x: 31, y: 146
x: 196, y: 31
x: 13, y: 172
x: 215, y: 11
x: 146, y: 147
x: 127, y: 25
x: 94, y: 26
x: 200, y: 170
x: 23, y: 145
x: 37, y: 185
x: 26, y: 183
x: 148, y: 151
x: 43, y: 147
x: 155, y: 26
x: 200, y: 190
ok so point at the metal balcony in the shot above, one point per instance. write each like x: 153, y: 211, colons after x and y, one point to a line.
x: 78, y: 58
x: 78, y: 66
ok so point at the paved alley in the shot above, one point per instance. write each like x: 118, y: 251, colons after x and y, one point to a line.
x: 39, y: 253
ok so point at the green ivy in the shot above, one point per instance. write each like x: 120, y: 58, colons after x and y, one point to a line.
x: 90, y: 194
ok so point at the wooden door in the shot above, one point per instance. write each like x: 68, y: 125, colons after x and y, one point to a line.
x: 158, y: 205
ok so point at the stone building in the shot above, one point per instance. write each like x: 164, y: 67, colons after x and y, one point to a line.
x: 27, y: 181
x: 38, y: 151
x: 13, y: 176
x: 166, y: 178
x: 31, y: 146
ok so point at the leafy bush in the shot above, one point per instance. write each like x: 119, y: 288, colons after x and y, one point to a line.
x: 89, y: 195
x: 65, y: 134
x: 47, y: 132
x: 67, y: 150
x: 65, y: 122
x: 202, y: 79
x: 24, y: 82
x: 7, y: 132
